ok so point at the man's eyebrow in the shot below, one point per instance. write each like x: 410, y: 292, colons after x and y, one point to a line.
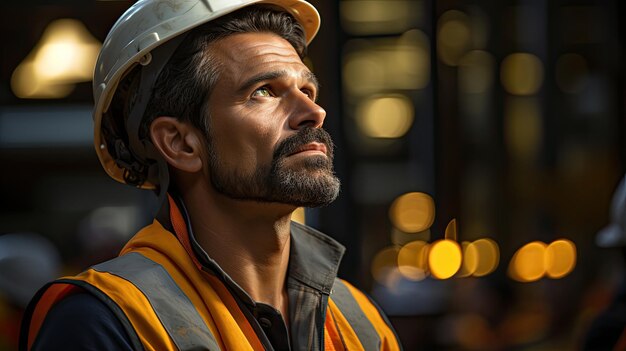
x: 308, y: 75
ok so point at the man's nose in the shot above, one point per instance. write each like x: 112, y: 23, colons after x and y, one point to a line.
x: 306, y: 113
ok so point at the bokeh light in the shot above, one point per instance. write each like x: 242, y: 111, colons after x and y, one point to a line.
x: 453, y: 36
x: 480, y: 258
x: 66, y: 54
x: 560, y: 258
x: 528, y: 263
x: 521, y: 74
x: 379, y: 16
x: 413, y: 260
x: 412, y: 212
x: 385, y: 117
x: 375, y: 65
x: 444, y: 259
x: 451, y: 230
x: 470, y: 260
x: 487, y: 256
x: 385, y: 265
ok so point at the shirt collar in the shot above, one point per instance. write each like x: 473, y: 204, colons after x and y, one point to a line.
x: 313, y: 260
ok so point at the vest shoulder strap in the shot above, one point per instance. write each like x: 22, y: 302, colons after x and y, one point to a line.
x: 349, y: 307
x: 179, y: 317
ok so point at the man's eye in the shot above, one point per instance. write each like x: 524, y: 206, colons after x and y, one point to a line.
x: 309, y: 93
x: 262, y: 92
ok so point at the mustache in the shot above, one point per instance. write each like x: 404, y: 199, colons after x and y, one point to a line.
x: 304, y: 136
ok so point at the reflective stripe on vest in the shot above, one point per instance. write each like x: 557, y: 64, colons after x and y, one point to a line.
x: 173, y: 308
x: 350, y: 309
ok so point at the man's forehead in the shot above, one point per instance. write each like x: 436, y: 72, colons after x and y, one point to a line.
x: 261, y: 47
x: 262, y: 55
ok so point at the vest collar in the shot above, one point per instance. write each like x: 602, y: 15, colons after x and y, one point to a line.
x: 313, y: 260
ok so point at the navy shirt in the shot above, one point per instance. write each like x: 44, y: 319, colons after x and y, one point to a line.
x: 82, y: 322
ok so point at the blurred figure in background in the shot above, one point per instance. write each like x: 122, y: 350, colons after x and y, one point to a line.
x: 27, y: 261
x: 608, y: 331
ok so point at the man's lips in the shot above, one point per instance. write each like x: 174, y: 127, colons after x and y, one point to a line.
x: 311, y: 147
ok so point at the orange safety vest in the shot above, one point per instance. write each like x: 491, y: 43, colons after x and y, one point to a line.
x: 167, y: 301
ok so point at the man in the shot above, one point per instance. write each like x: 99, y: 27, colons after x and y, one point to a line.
x: 213, y: 95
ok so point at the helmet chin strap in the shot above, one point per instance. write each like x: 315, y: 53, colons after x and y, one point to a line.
x: 142, y: 150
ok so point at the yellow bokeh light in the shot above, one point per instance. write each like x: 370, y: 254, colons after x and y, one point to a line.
x: 375, y: 65
x: 444, y: 259
x: 470, y: 260
x: 560, y: 258
x: 571, y: 73
x: 521, y: 74
x: 299, y: 215
x: 451, y: 230
x: 385, y: 117
x: 523, y: 127
x: 488, y: 254
x: 379, y: 16
x: 528, y: 263
x: 65, y: 55
x: 453, y: 36
x: 412, y: 212
x: 363, y: 73
x: 412, y: 260
x: 384, y: 264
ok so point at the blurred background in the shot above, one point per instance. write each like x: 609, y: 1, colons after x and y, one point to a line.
x: 478, y: 142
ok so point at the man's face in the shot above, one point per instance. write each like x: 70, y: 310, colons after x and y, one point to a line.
x: 265, y: 141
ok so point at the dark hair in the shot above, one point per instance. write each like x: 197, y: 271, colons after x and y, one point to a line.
x: 183, y: 87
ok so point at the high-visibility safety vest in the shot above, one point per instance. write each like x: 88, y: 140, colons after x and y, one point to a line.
x: 166, y: 301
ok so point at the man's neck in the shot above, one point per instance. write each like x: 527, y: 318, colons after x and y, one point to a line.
x: 249, y: 240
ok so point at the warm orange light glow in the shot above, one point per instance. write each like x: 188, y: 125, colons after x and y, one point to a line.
x: 470, y: 260
x: 528, y: 263
x: 560, y: 258
x: 379, y: 16
x: 65, y: 55
x: 444, y: 259
x: 412, y: 260
x: 451, y: 230
x: 488, y: 254
x: 384, y: 265
x: 521, y: 74
x: 453, y: 36
x: 387, y: 64
x: 412, y: 212
x: 386, y: 116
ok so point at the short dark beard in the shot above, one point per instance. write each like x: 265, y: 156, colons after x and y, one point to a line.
x: 314, y: 184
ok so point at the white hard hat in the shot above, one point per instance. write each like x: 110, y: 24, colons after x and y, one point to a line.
x: 148, y: 25
x: 614, y: 234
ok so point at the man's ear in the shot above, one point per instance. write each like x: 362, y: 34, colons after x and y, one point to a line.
x: 178, y: 142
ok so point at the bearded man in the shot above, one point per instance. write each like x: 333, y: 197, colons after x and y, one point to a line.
x: 208, y: 103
